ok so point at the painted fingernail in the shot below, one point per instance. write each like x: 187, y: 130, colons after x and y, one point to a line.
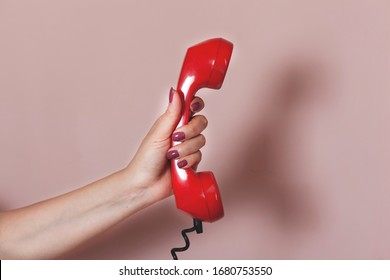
x: 172, y: 154
x: 182, y: 163
x: 171, y: 95
x: 195, y: 106
x: 178, y: 136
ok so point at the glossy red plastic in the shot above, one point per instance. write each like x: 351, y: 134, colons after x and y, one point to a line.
x: 204, y: 66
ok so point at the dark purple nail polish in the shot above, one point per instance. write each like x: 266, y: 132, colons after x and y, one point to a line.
x: 182, y: 163
x: 172, y: 154
x: 171, y: 95
x: 195, y: 106
x: 178, y: 136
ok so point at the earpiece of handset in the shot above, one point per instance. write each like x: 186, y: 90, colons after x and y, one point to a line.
x: 204, y: 66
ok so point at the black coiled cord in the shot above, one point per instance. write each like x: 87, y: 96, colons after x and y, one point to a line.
x: 197, y: 227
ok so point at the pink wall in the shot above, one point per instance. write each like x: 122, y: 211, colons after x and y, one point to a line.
x: 298, y: 135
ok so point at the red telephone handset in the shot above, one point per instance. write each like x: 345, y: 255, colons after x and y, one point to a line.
x: 204, y: 66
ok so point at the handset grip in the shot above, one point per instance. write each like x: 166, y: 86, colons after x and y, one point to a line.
x: 205, y: 65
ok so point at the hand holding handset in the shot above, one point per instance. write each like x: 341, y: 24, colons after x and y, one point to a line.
x: 204, y: 66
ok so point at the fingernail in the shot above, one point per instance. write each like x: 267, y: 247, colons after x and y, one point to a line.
x: 171, y: 95
x: 182, y: 163
x: 172, y: 154
x: 195, y: 106
x: 178, y: 136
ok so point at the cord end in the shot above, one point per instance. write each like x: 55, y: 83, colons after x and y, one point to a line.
x: 198, y: 227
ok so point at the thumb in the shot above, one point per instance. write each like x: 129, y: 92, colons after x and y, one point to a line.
x: 167, y: 122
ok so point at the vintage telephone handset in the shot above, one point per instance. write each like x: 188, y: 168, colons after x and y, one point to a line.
x: 197, y: 194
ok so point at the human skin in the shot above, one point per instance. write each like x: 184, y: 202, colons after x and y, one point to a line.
x: 50, y: 228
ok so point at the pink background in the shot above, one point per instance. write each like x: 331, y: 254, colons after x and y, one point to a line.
x: 298, y: 136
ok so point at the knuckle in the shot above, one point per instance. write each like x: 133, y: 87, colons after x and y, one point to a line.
x: 204, y: 120
x: 192, y: 129
x: 202, y: 139
x: 199, y: 156
x: 198, y: 124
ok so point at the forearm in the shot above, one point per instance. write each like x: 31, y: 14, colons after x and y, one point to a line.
x: 55, y: 226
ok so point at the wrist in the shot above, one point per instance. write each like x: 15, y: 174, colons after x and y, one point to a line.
x: 134, y: 191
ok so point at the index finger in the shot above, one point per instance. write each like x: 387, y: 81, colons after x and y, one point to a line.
x: 197, y: 105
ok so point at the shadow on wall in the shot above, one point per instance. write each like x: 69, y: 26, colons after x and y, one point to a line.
x: 265, y: 177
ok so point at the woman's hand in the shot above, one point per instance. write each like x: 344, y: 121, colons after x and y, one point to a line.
x: 150, y: 168
x: 33, y: 231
